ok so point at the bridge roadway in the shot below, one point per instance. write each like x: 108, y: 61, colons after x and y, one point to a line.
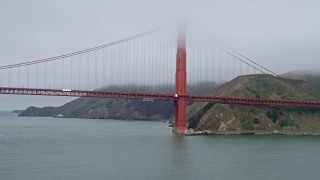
x: 156, y: 96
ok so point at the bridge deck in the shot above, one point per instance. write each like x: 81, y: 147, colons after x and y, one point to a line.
x: 155, y: 96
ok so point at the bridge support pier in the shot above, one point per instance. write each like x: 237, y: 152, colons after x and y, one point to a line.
x: 180, y: 104
x: 180, y: 115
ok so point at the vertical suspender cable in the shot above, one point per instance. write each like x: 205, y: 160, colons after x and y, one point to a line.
x: 36, y: 76
x: 233, y: 65
x: 221, y: 67
x: 104, y: 67
x: 214, y: 67
x: 141, y: 62
x: 219, y: 64
x: 18, y: 76
x: 111, y: 67
x: 150, y: 60
x: 134, y: 62
x: 240, y: 68
x: 207, y: 70
x: 192, y: 69
x: 9, y: 78
x: 128, y: 62
x: 168, y: 60
x: 205, y: 66
x: 198, y: 65
x: 248, y: 68
x: 1, y: 78
x: 88, y: 71
x: 95, y: 69
x: 137, y: 62
x: 171, y: 62
x: 156, y: 60
x: 226, y: 61
x: 144, y: 62
x: 120, y: 64
x: 161, y: 59
x: 79, y: 78
x: 54, y: 75
x: 45, y: 75
x: 62, y: 76
x: 254, y: 79
x: 28, y: 77
x: 227, y: 67
x: 71, y: 73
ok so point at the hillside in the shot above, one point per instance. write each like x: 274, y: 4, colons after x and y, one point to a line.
x: 95, y: 108
x: 100, y: 108
x: 239, y: 118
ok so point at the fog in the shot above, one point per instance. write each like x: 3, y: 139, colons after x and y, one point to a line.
x: 280, y: 35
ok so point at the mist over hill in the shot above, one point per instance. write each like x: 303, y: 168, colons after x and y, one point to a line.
x: 301, y: 74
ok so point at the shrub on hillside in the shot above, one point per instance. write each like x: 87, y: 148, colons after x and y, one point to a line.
x: 273, y: 115
x: 256, y: 120
x: 247, y: 125
x: 287, y: 122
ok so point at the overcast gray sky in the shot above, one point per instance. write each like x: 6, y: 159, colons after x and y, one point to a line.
x: 282, y: 35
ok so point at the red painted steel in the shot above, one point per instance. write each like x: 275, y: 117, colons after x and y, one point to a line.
x: 157, y: 96
x: 95, y: 94
x: 254, y: 101
x: 180, y: 104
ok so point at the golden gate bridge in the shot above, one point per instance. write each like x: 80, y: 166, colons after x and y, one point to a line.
x: 162, y: 57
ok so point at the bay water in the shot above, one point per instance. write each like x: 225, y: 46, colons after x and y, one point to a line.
x: 40, y: 148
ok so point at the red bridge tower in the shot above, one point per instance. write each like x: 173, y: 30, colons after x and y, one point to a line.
x: 180, y: 104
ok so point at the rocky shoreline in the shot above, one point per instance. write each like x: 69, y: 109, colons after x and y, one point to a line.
x: 274, y: 133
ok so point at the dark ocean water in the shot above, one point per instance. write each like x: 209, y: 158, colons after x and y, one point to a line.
x: 76, y: 149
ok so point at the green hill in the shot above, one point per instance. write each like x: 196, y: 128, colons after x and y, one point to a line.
x: 239, y: 118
